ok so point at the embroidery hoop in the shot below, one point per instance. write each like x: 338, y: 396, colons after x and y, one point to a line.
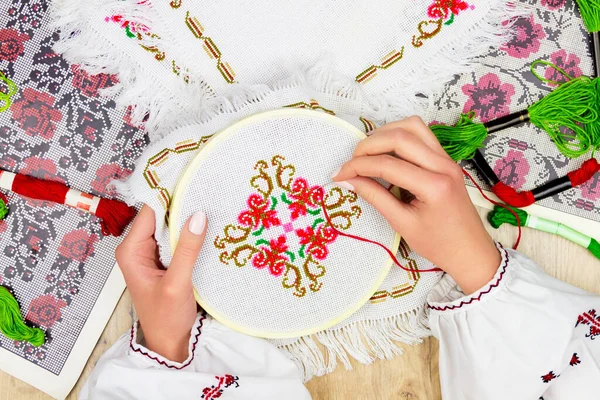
x: 189, y: 173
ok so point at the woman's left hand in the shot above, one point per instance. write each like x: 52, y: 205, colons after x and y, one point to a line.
x: 164, y: 299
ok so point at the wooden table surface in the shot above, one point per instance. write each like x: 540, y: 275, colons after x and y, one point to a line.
x: 412, y: 376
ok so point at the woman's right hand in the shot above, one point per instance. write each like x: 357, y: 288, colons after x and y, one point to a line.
x: 440, y: 223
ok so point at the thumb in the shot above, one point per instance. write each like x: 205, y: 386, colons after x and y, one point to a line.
x: 187, y: 250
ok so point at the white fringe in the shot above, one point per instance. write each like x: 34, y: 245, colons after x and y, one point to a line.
x: 169, y: 108
x: 365, y: 341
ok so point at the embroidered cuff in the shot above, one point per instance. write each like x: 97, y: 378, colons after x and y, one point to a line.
x: 137, y: 345
x: 446, y: 295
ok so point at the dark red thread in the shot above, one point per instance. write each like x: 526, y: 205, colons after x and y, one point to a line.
x: 584, y: 173
x: 392, y: 256
x: 164, y: 363
x: 478, y: 298
x: 500, y: 205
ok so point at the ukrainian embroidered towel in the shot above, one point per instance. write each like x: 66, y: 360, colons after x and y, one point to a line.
x: 189, y: 69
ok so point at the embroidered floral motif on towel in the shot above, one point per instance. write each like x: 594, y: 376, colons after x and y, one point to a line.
x: 210, y: 47
x: 150, y: 174
x: 442, y: 13
x: 223, y: 382
x: 283, y: 228
x: 590, y: 318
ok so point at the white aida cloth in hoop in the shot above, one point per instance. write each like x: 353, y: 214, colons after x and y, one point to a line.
x: 273, y: 266
x: 189, y: 69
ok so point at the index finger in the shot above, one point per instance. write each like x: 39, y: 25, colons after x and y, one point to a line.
x: 416, y: 126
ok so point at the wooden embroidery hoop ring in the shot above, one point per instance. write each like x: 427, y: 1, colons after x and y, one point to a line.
x: 188, y: 174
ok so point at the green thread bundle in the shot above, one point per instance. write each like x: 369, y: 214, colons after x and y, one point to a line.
x: 12, y: 324
x: 590, y: 14
x: 500, y: 215
x: 574, y: 105
x: 3, y: 206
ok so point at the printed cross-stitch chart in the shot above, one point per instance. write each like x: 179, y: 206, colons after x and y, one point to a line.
x: 524, y: 157
x: 53, y: 258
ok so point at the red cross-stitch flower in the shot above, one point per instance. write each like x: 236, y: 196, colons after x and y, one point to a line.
x: 317, y: 241
x: 272, y: 256
x: 258, y: 213
x: 304, y: 197
x: 45, y: 310
x: 549, y: 376
x: 443, y: 8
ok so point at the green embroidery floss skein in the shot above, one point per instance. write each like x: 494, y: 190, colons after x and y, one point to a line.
x: 5, y: 97
x: 573, y: 105
x: 590, y: 14
x: 499, y: 216
x: 11, y: 321
x: 3, y: 206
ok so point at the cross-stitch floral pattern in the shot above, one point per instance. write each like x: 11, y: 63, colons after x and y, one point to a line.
x: 284, y: 229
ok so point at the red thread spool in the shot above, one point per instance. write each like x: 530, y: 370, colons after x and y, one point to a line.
x: 114, y: 215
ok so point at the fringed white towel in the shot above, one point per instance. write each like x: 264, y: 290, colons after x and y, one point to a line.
x: 189, y: 69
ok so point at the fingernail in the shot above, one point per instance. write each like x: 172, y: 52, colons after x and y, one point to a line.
x: 335, y: 173
x: 197, y: 223
x: 345, y: 185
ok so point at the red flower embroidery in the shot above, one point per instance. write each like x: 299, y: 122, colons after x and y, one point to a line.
x: 105, y: 174
x: 77, y: 245
x: 42, y: 168
x: 443, y: 8
x: 11, y: 44
x: 512, y: 169
x: 272, y: 256
x: 574, y: 360
x: 549, y: 376
x: 258, y: 213
x: 304, y: 196
x: 35, y: 114
x: 45, y: 310
x: 317, y: 241
x: 90, y: 84
x: 223, y: 382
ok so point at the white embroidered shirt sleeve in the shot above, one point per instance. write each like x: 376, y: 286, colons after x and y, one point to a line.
x: 522, y: 336
x: 222, y: 364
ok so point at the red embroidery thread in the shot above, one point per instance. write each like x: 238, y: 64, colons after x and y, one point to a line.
x: 549, y: 376
x: 478, y: 298
x: 575, y: 360
x: 223, y: 382
x: 590, y: 318
x: 161, y: 362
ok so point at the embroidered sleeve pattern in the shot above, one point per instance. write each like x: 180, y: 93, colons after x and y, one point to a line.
x: 283, y: 230
x: 216, y: 390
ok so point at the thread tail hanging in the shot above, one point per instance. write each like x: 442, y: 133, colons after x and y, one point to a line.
x: 12, y: 324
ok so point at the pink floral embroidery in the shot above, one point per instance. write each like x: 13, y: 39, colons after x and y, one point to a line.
x: 304, y: 196
x: 89, y: 85
x: 45, y: 310
x: 568, y: 62
x: 512, y: 169
x: 445, y: 8
x: 317, y: 241
x: 258, y: 213
x: 490, y: 98
x: 78, y: 245
x: 272, y: 256
x: 591, y: 189
x: 553, y: 4
x: 526, y: 40
x: 35, y: 113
